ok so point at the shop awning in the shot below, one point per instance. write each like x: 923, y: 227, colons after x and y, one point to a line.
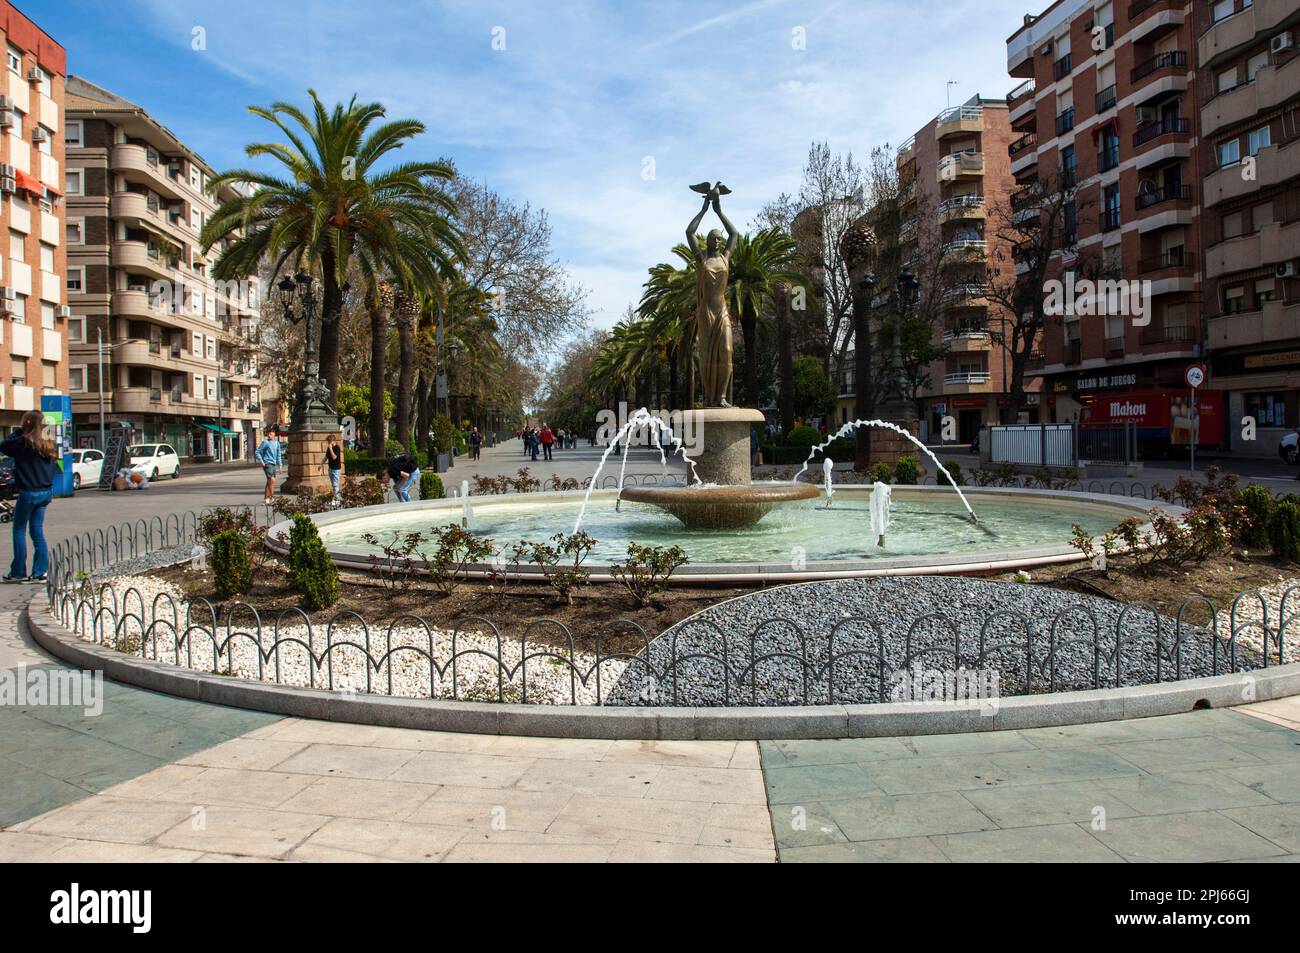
x: 218, y: 429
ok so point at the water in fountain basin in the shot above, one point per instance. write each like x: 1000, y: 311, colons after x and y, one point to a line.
x: 853, y: 425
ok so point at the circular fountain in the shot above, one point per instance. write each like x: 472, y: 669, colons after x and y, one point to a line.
x: 723, y: 496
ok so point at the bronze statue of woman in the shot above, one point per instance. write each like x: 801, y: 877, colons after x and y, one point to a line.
x: 712, y: 320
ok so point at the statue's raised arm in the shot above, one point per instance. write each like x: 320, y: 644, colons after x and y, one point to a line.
x: 692, y: 230
x: 732, y: 234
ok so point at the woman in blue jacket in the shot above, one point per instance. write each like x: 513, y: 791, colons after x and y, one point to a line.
x: 35, y: 460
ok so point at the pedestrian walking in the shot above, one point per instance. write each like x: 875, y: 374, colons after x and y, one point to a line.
x: 547, y: 439
x: 35, y: 460
x: 475, y: 443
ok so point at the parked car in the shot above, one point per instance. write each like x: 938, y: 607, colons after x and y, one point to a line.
x: 7, y: 489
x: 155, y: 460
x: 1288, y: 448
x: 86, y: 467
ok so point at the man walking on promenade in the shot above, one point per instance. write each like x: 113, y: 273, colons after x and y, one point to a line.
x: 268, y: 454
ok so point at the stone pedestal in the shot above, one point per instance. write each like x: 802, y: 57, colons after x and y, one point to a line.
x: 307, y: 471
x: 721, y: 439
x: 887, y: 446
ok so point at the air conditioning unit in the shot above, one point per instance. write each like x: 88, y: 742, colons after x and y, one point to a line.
x: 65, y: 311
x: 1147, y: 114
x: 35, y: 74
x: 1045, y: 48
x: 1285, y: 269
x: 8, y: 184
x: 1283, y: 41
x: 40, y: 134
x: 6, y: 102
x: 6, y: 119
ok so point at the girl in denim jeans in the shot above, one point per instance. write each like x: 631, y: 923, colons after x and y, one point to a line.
x: 35, y: 460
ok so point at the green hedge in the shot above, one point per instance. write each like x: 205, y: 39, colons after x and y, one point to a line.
x: 841, y: 451
x: 358, y: 464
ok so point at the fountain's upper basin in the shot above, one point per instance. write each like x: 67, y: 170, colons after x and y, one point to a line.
x: 720, y: 507
x: 802, y: 540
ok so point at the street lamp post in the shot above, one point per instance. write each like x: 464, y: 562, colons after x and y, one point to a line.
x: 101, y: 348
x: 313, y: 419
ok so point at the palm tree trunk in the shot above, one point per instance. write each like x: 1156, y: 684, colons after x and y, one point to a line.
x: 378, y: 374
x: 422, y: 415
x: 785, y: 359
x: 331, y: 312
x: 405, y: 369
x: 749, y: 331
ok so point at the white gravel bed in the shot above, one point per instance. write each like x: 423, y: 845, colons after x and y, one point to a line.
x: 145, y: 604
x: 1250, y: 613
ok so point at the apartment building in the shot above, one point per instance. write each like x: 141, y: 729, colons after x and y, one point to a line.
x: 1248, y: 71
x: 956, y: 173
x: 178, y: 349
x: 33, y: 317
x: 1107, y: 112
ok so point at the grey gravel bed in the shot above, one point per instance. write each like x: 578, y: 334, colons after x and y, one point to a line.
x: 943, y: 616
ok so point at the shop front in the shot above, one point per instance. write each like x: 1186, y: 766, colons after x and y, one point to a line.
x: 1263, y: 392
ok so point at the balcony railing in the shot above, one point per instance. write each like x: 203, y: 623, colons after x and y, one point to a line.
x: 1024, y: 89
x: 1036, y: 360
x: 951, y: 165
x: 1110, y: 219
x: 1065, y: 121
x: 960, y: 202
x: 1164, y: 127
x: 963, y: 113
x: 1021, y: 144
x: 964, y: 246
x: 1108, y: 157
x: 966, y: 377
x: 1063, y: 66
x: 1174, y: 258
x: 1166, y: 193
x: 1106, y: 98
x: 966, y: 332
x: 1173, y: 59
x: 1113, y: 347
x: 973, y: 289
x: 1178, y: 334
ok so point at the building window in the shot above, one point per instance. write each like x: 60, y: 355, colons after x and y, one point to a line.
x: 76, y: 279
x: 76, y: 379
x: 47, y: 257
x: 76, y: 231
x: 44, y: 84
x: 18, y: 371
x: 15, y: 60
x: 1269, y: 410
x: 1232, y: 225
x: 1255, y: 64
x: 1264, y: 290
x: 73, y: 182
x: 1110, y: 214
x: 1234, y: 299
x: 20, y: 309
x: 49, y: 375
x: 47, y: 316
x: 1229, y: 153
x: 76, y: 330
x: 72, y: 133
x: 17, y: 245
x: 1258, y: 139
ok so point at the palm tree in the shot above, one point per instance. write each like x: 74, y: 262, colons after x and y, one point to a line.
x: 759, y: 264
x: 668, y: 302
x: 328, y: 202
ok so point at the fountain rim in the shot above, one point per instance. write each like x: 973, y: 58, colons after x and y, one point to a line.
x: 983, y: 561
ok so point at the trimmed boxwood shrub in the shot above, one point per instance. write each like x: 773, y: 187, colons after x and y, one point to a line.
x: 1284, y: 531
x: 430, y: 486
x: 954, y: 471
x: 803, y: 436
x: 1256, y: 512
x: 232, y: 569
x: 880, y: 472
x: 905, y: 471
x: 311, y: 571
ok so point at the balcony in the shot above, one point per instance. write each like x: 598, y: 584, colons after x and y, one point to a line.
x: 961, y: 207
x: 1113, y: 348
x: 1063, y: 67
x: 1065, y: 121
x: 1020, y: 145
x: 906, y: 153
x: 1106, y: 98
x: 964, y: 251
x: 1022, y: 153
x: 959, y: 120
x: 142, y: 257
x: 1035, y: 361
x: 1178, y: 130
x: 1272, y: 86
x: 969, y: 295
x: 1108, y: 157
x: 1234, y: 33
x: 1270, y: 245
x: 144, y: 165
x: 1173, y: 260
x: 1020, y: 103
x: 1274, y: 321
x: 1173, y: 59
x: 1165, y: 194
x: 1110, y: 219
x: 1273, y: 164
x: 965, y: 382
x: 960, y: 164
x: 967, y: 338
x: 1181, y: 337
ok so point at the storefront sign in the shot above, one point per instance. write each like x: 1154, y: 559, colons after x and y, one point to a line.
x: 1277, y: 359
x: 1102, y: 381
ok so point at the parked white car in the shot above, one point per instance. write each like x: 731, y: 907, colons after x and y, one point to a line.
x: 1288, y: 448
x: 86, y: 468
x: 155, y: 460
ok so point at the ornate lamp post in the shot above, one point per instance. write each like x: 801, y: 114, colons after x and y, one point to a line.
x: 312, y: 420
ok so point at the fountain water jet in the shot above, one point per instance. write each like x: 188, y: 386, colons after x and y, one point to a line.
x: 827, y: 466
x: 853, y: 425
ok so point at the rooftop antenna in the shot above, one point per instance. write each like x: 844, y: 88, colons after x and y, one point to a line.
x: 947, y: 91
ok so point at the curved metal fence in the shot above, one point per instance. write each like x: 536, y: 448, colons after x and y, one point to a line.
x: 777, y: 661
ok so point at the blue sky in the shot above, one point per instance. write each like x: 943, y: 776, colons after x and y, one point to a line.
x: 566, y: 115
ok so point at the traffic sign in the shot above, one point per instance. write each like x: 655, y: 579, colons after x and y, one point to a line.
x: 1195, y: 375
